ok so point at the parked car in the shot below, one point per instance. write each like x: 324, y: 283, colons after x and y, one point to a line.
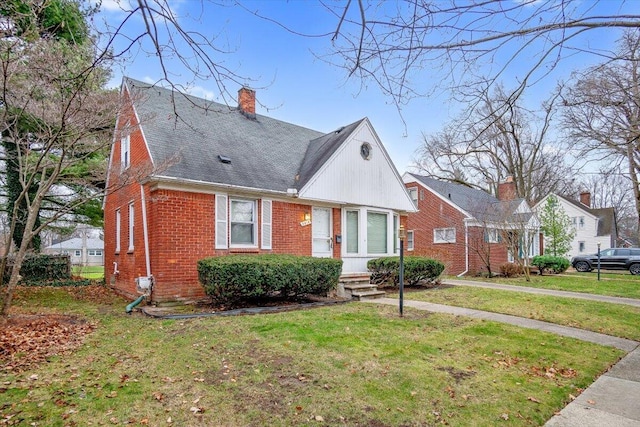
x: 610, y: 259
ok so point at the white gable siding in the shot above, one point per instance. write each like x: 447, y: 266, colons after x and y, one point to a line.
x: 349, y: 179
x: 587, y: 234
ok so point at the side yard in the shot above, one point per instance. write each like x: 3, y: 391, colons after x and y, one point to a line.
x: 351, y: 364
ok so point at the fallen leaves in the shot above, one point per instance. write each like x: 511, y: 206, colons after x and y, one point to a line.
x: 26, y: 340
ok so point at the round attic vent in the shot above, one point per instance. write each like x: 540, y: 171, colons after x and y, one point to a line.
x: 365, y: 150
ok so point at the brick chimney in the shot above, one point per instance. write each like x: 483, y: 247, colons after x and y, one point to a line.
x: 585, y: 198
x: 507, y: 189
x: 247, y: 102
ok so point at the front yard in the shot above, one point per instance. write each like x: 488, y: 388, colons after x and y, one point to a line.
x: 353, y: 364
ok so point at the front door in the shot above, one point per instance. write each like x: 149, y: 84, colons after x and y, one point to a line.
x: 321, y: 229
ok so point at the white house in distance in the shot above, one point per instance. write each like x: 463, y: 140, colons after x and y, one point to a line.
x: 592, y: 226
x: 85, y: 252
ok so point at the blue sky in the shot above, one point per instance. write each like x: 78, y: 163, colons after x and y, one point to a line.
x: 293, y: 85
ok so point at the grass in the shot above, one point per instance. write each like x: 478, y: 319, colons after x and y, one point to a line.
x: 612, y: 284
x: 611, y: 319
x: 88, y: 272
x: 353, y: 364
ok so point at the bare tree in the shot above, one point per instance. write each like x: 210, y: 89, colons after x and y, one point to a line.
x: 461, y: 45
x: 497, y: 139
x: 602, y: 111
x: 613, y: 189
x: 55, y: 114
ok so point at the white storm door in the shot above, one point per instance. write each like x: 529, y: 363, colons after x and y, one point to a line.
x: 321, y: 230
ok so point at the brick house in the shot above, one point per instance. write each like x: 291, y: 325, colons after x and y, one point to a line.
x: 466, y: 228
x: 195, y: 179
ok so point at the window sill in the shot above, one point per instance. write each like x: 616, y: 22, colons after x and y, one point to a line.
x: 244, y: 250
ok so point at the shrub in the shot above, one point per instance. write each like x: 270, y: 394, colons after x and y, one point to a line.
x: 41, y: 269
x: 555, y: 264
x: 510, y: 269
x: 233, y: 278
x: 416, y: 270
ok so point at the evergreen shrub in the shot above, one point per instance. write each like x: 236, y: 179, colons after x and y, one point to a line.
x: 230, y: 279
x: 416, y: 270
x: 549, y: 263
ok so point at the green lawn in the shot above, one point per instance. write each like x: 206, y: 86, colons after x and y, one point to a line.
x: 88, y: 272
x: 613, y: 284
x: 611, y: 319
x: 352, y: 364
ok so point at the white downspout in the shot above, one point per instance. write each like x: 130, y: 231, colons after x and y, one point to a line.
x: 145, y: 232
x: 466, y: 250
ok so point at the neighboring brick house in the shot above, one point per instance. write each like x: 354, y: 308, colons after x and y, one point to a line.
x: 592, y: 226
x: 196, y: 179
x: 465, y: 228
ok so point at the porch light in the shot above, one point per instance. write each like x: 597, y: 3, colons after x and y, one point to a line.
x: 307, y: 216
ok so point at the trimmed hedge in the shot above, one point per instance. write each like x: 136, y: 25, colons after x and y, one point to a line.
x: 555, y: 264
x: 230, y: 279
x: 416, y: 269
x: 41, y: 269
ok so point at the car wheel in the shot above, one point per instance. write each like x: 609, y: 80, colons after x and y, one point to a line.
x: 634, y: 269
x: 583, y: 266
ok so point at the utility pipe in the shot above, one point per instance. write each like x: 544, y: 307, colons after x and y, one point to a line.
x: 144, y: 230
x: 135, y: 303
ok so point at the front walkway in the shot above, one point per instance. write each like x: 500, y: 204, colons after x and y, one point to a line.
x: 611, y: 401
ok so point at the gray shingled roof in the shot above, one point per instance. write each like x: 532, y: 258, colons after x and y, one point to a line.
x: 606, y: 217
x: 265, y: 153
x: 76, y: 243
x: 479, y: 204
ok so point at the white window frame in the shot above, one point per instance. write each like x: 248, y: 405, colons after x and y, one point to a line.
x: 387, y: 248
x: 77, y: 252
x: 125, y: 149
x: 362, y: 212
x: 413, y: 193
x: 118, y: 233
x: 254, y: 222
x: 493, y: 235
x: 411, y: 240
x: 346, y: 241
x: 581, y: 246
x: 581, y: 222
x: 131, y: 226
x: 442, y: 235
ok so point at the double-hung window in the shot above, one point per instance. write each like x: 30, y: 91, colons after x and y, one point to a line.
x: 444, y: 235
x: 243, y: 222
x: 118, y: 231
x: 125, y: 148
x: 410, y: 240
x: 413, y: 192
x: 131, y: 227
x: 492, y: 235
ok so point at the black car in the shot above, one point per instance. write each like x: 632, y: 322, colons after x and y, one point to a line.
x: 610, y: 259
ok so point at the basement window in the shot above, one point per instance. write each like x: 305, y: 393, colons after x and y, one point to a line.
x: 224, y: 159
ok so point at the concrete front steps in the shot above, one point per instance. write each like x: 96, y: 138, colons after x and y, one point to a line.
x: 357, y: 287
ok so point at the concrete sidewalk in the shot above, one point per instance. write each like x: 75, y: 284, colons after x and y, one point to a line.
x: 611, y: 401
x: 539, y: 291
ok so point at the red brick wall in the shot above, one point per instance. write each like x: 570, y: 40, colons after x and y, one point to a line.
x: 181, y: 228
x: 436, y: 213
x: 121, y: 192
